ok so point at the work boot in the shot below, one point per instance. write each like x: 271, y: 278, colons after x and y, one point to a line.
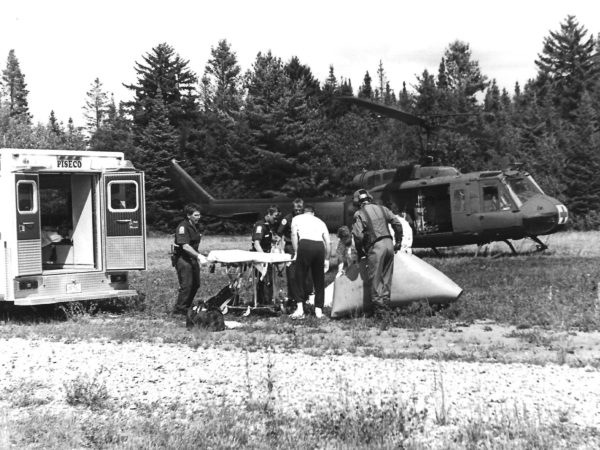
x: 299, y: 313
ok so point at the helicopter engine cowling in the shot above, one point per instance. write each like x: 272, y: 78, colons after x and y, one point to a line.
x: 543, y: 215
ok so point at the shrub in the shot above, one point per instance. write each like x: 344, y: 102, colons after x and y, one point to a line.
x: 86, y: 390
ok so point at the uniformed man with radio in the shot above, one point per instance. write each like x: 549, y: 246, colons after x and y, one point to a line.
x: 187, y: 259
x: 372, y: 239
x: 262, y: 241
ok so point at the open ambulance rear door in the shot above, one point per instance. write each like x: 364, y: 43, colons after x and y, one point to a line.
x: 124, y: 221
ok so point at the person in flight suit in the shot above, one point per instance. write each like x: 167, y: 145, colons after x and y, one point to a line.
x: 285, y: 231
x: 187, y: 259
x: 373, y: 240
x: 262, y: 241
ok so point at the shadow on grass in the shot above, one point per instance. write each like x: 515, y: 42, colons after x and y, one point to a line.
x: 60, y: 312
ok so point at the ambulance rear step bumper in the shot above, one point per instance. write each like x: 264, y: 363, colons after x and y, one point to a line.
x: 47, y: 299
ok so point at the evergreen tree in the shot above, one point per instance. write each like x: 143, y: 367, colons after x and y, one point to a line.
x: 365, y: 90
x: 54, y: 125
x: 389, y: 97
x: 442, y: 78
x: 73, y: 138
x: 405, y: 99
x: 517, y: 97
x: 298, y: 72
x: 214, y: 154
x: 582, y: 165
x: 427, y: 94
x: 346, y: 87
x: 491, y: 102
x: 505, y: 100
x: 116, y: 134
x: 463, y: 75
x: 163, y: 72
x: 568, y: 64
x: 282, y: 122
x: 96, y: 107
x: 157, y: 145
x: 331, y: 88
x: 331, y: 84
x: 266, y: 161
x: 381, y: 78
x: 15, y: 89
x: 222, y: 77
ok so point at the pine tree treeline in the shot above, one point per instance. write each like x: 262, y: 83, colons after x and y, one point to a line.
x: 16, y: 129
x: 276, y: 130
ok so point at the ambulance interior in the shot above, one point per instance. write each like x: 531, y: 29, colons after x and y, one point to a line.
x: 68, y: 221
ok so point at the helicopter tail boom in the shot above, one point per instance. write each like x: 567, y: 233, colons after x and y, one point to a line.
x: 188, y: 186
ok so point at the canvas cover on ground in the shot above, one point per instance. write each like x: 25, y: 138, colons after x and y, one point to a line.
x: 413, y: 279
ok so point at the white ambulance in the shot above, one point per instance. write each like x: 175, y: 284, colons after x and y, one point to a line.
x: 72, y: 224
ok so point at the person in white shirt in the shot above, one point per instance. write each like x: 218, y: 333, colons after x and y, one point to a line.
x: 311, y: 243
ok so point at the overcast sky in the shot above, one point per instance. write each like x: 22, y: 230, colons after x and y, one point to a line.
x: 63, y: 45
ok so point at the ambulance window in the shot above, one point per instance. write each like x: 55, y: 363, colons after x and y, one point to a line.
x: 122, y: 196
x: 26, y: 197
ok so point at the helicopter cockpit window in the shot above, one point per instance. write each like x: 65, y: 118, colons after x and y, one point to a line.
x: 524, y: 188
x: 494, y: 200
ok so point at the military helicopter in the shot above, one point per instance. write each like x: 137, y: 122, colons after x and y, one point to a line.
x: 446, y: 208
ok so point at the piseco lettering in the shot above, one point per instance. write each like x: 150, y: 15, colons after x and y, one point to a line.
x: 68, y: 164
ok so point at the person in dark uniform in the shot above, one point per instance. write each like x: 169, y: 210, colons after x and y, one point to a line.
x: 187, y: 259
x: 372, y: 239
x: 285, y: 231
x: 262, y: 241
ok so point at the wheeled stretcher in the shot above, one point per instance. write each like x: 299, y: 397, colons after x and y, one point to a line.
x: 242, y: 267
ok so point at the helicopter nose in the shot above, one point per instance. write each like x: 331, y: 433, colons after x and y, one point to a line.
x: 543, y: 215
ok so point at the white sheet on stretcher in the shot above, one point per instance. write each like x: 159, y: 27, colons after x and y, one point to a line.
x: 245, y: 256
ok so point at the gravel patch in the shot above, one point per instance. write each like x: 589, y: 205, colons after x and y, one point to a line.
x: 162, y: 374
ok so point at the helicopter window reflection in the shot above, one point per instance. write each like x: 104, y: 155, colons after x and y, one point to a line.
x: 524, y: 188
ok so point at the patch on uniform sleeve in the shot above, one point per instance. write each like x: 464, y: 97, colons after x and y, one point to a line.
x: 181, y: 230
x: 258, y: 229
x: 284, y: 221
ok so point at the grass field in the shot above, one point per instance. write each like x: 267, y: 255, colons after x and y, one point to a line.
x: 555, y: 291
x: 538, y: 300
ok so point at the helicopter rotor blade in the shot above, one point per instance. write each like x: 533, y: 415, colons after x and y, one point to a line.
x: 389, y: 111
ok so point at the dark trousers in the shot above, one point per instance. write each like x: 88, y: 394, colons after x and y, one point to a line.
x: 310, y: 259
x: 188, y: 274
x: 380, y: 267
x: 290, y: 275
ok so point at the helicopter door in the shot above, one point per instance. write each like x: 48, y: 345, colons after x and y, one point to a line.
x: 496, y: 212
x: 465, y: 206
x: 29, y: 241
